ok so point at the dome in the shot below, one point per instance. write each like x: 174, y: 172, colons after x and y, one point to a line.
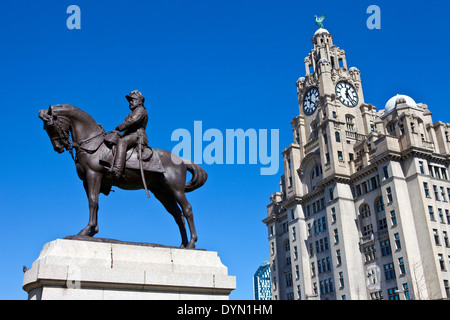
x: 399, y: 98
x: 320, y: 31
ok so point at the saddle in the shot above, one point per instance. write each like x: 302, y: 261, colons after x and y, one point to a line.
x: 150, y: 159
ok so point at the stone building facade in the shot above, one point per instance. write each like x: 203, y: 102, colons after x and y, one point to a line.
x: 363, y: 210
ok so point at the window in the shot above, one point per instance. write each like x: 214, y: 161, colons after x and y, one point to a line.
x: 289, y: 280
x: 333, y: 215
x: 389, y: 271
x: 341, y: 279
x: 325, y: 138
x: 389, y: 194
x: 379, y: 205
x: 382, y: 224
x: 441, y: 261
x: 393, y: 294
x: 445, y: 238
x: 393, y: 218
x: 397, y: 241
x: 444, y: 173
x: 287, y: 246
x: 436, y: 237
x: 331, y: 194
x: 406, y: 291
x: 376, y: 295
x: 421, y: 167
x: 401, y: 265
x: 338, y: 257
x: 436, y: 196
x: 385, y: 172
x: 349, y: 122
x: 385, y: 247
x: 442, y: 193
x: 331, y: 285
x: 338, y: 136
x: 336, y: 236
x: 364, y: 211
x: 441, y: 216
x: 447, y: 213
x: 425, y: 188
x: 340, y: 156
x: 327, y: 157
x: 447, y: 288
x: 367, y: 230
x: 369, y: 253
x: 431, y: 213
x: 294, y: 234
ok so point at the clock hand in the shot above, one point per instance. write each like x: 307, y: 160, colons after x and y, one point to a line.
x: 349, y: 97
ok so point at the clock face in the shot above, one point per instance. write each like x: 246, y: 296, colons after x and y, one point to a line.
x: 310, y: 101
x: 347, y: 94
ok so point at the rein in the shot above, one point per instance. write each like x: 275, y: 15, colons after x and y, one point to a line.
x: 63, y: 135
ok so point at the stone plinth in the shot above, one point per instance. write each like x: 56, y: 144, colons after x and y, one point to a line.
x: 74, y: 269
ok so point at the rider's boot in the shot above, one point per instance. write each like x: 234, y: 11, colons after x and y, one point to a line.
x: 119, y: 162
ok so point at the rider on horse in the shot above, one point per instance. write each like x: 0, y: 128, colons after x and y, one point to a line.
x: 133, y: 130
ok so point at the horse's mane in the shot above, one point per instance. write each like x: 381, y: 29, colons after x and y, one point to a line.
x: 71, y: 110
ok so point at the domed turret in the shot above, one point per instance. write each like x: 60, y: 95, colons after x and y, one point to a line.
x: 399, y: 98
x: 320, y: 31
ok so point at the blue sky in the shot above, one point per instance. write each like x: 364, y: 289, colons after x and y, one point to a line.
x: 229, y: 64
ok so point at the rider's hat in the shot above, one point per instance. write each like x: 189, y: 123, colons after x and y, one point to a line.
x: 135, y: 95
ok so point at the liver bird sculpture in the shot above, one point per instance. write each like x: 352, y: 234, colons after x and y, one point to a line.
x: 319, y: 21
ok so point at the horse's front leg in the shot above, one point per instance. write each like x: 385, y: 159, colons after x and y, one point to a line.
x: 92, y: 188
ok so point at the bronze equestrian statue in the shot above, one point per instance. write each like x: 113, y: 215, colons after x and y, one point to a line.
x: 162, y: 171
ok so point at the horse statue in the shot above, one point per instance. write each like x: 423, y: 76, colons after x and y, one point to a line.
x: 167, y: 181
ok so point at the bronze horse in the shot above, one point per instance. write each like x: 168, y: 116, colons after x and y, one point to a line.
x: 169, y: 187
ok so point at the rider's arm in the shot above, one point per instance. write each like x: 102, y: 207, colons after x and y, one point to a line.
x: 135, y: 117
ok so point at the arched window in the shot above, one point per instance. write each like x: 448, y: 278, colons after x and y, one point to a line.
x: 364, y: 210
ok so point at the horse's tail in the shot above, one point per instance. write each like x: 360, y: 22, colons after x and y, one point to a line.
x: 199, y: 176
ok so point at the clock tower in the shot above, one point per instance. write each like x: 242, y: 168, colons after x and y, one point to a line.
x: 333, y: 116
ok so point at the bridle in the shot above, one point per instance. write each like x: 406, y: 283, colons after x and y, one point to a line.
x: 61, y: 125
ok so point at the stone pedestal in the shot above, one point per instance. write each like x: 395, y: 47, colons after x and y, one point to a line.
x: 74, y: 269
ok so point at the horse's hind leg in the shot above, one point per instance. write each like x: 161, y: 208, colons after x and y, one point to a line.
x: 170, y: 203
x: 187, y: 212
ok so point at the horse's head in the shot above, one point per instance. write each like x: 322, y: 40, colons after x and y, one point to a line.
x: 57, y: 128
